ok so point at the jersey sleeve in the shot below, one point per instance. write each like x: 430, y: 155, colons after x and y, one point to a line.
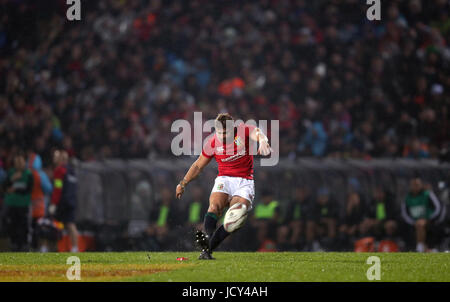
x: 405, y: 213
x: 436, y: 205
x: 208, y: 148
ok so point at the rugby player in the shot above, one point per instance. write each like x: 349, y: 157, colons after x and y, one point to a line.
x: 231, y: 148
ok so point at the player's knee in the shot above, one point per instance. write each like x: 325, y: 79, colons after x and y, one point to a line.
x: 390, y: 224
x: 282, y: 231
x: 213, y: 208
x: 421, y: 223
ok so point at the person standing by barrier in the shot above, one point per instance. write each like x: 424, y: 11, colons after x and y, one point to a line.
x: 325, y: 215
x: 381, y: 216
x: 297, y: 222
x: 266, y: 217
x: 42, y: 186
x: 64, y: 196
x: 420, y: 209
x: 164, y: 219
x: 350, y: 229
x: 19, y: 184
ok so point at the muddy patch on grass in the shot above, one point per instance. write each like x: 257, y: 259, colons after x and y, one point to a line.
x: 89, y: 272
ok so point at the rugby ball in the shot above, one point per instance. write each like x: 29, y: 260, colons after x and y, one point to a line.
x: 235, y: 217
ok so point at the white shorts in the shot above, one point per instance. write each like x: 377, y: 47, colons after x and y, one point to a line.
x: 235, y: 186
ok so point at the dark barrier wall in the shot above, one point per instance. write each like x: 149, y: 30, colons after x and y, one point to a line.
x: 118, y: 190
x: 120, y: 195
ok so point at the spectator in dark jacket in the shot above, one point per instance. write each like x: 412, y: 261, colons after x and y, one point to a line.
x: 419, y: 209
x: 164, y: 218
x: 298, y: 222
x: 381, y: 216
x: 19, y: 184
x: 349, y: 230
x: 266, y: 216
x: 64, y: 195
x: 324, y: 216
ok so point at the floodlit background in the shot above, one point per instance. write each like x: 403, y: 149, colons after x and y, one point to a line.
x: 363, y: 109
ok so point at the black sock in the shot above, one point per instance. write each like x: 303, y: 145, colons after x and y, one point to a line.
x: 218, y: 237
x: 210, y: 223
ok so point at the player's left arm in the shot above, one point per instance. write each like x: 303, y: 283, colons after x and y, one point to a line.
x: 258, y: 136
x: 436, y: 205
x: 57, y: 192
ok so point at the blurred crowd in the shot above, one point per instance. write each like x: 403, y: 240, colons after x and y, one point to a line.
x: 111, y: 84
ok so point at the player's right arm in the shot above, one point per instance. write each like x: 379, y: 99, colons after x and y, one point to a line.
x: 195, y: 169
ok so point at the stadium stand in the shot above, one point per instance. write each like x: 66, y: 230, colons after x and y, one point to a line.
x: 109, y: 86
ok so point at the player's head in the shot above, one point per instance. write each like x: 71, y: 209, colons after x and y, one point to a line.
x: 323, y: 195
x: 353, y: 199
x: 301, y: 193
x: 416, y: 185
x: 60, y: 157
x: 19, y: 161
x: 267, y: 195
x: 379, y: 193
x: 166, y: 195
x: 224, y: 125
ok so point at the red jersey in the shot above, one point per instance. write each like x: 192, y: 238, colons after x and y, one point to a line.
x: 234, y: 159
x: 58, y: 176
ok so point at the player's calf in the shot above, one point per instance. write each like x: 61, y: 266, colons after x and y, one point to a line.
x: 210, y: 223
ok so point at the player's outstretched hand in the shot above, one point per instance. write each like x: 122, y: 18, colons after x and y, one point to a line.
x: 179, y: 191
x: 264, y: 149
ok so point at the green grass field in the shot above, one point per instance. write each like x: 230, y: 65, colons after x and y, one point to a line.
x: 234, y: 267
